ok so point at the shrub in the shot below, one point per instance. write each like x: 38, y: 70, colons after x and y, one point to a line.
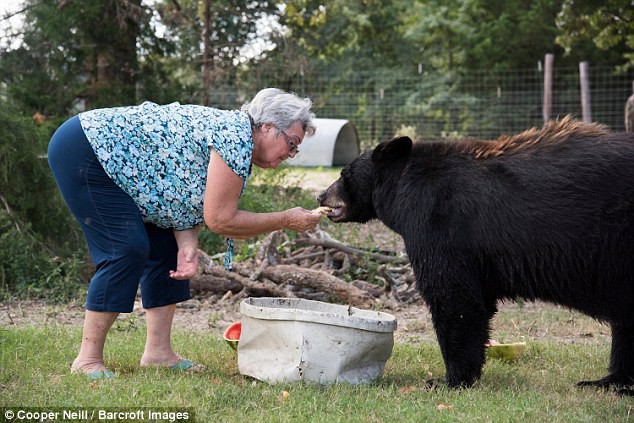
x: 30, y: 269
x: 36, y: 228
x: 27, y: 186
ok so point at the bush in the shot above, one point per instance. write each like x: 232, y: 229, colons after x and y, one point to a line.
x: 29, y: 269
x: 36, y: 228
x: 27, y: 186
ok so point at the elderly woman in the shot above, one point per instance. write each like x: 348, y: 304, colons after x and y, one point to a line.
x: 142, y: 180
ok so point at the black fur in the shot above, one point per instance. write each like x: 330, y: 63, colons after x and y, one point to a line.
x: 547, y: 214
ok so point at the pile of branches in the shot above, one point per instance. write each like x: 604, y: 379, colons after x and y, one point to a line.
x: 316, y: 267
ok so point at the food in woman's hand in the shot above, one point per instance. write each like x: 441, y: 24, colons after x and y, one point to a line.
x: 322, y: 210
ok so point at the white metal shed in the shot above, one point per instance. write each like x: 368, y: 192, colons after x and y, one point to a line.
x: 335, y: 143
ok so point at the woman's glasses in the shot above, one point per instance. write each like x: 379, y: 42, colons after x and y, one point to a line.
x: 293, y: 147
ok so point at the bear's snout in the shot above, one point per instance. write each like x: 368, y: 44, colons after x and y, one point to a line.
x: 321, y: 197
x: 331, y: 197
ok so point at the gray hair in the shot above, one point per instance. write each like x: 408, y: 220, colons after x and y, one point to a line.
x: 281, y: 109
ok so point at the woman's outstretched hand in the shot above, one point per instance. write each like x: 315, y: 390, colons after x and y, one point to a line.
x: 301, y: 220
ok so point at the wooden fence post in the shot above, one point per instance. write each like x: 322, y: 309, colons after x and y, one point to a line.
x: 548, y: 86
x: 584, y: 80
x: 629, y: 112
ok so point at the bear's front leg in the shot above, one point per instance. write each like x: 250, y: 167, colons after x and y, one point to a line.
x: 462, y: 329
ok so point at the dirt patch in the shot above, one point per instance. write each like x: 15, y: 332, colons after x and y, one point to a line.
x: 210, y: 314
x: 514, y: 322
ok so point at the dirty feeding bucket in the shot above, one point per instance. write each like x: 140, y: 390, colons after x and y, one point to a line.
x: 290, y: 339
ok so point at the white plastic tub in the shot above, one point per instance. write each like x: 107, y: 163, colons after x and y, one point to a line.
x: 290, y: 339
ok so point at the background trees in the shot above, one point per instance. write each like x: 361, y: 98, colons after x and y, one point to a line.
x: 96, y: 53
x: 603, y: 30
x: 75, y: 52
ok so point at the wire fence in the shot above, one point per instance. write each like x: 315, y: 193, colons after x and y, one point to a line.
x: 483, y: 104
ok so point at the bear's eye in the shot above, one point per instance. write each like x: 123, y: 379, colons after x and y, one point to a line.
x: 346, y: 185
x: 351, y: 191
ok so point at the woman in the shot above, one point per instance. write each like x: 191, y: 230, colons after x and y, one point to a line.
x: 142, y: 180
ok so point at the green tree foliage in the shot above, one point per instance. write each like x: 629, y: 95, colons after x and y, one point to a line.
x: 609, y: 25
x: 441, y: 30
x: 375, y: 45
x: 74, y: 51
x: 41, y: 248
x: 230, y: 26
x: 492, y: 34
x: 27, y: 188
x: 363, y: 34
x: 511, y: 34
x: 352, y: 42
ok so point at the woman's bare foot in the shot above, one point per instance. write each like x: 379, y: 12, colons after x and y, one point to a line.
x: 87, y: 366
x: 160, y: 360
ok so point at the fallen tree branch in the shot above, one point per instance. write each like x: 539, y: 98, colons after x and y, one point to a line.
x: 207, y: 268
x: 320, y: 269
x: 214, y: 284
x: 253, y: 286
x: 329, y: 243
x: 320, y: 281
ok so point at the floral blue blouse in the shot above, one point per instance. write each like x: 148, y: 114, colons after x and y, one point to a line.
x: 159, y: 154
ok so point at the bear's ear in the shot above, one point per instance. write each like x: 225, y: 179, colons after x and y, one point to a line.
x: 392, y: 150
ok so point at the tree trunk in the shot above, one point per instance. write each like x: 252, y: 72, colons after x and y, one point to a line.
x: 206, y: 65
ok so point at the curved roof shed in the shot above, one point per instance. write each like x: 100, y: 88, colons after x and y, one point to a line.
x: 335, y: 143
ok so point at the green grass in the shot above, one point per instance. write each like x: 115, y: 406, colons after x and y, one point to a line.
x: 34, y: 371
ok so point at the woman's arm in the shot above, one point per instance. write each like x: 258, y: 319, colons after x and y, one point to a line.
x: 221, y: 212
x: 187, y: 258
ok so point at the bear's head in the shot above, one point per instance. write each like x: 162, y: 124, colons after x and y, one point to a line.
x: 351, y: 196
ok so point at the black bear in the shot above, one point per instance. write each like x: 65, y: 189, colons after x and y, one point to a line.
x: 546, y: 214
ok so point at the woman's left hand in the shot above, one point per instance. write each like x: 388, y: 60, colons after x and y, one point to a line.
x: 187, y: 263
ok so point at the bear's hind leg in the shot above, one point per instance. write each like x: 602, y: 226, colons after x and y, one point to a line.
x: 621, y: 375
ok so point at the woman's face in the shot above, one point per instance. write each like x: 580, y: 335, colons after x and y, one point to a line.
x: 271, y: 146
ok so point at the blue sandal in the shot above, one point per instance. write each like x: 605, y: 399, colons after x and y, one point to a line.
x: 107, y: 374
x: 185, y: 365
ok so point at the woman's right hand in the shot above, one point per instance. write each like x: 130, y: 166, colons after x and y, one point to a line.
x: 301, y: 220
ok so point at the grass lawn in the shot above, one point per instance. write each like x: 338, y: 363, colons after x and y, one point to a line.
x: 34, y: 372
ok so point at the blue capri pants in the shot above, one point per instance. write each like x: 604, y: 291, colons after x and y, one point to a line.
x: 126, y: 251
